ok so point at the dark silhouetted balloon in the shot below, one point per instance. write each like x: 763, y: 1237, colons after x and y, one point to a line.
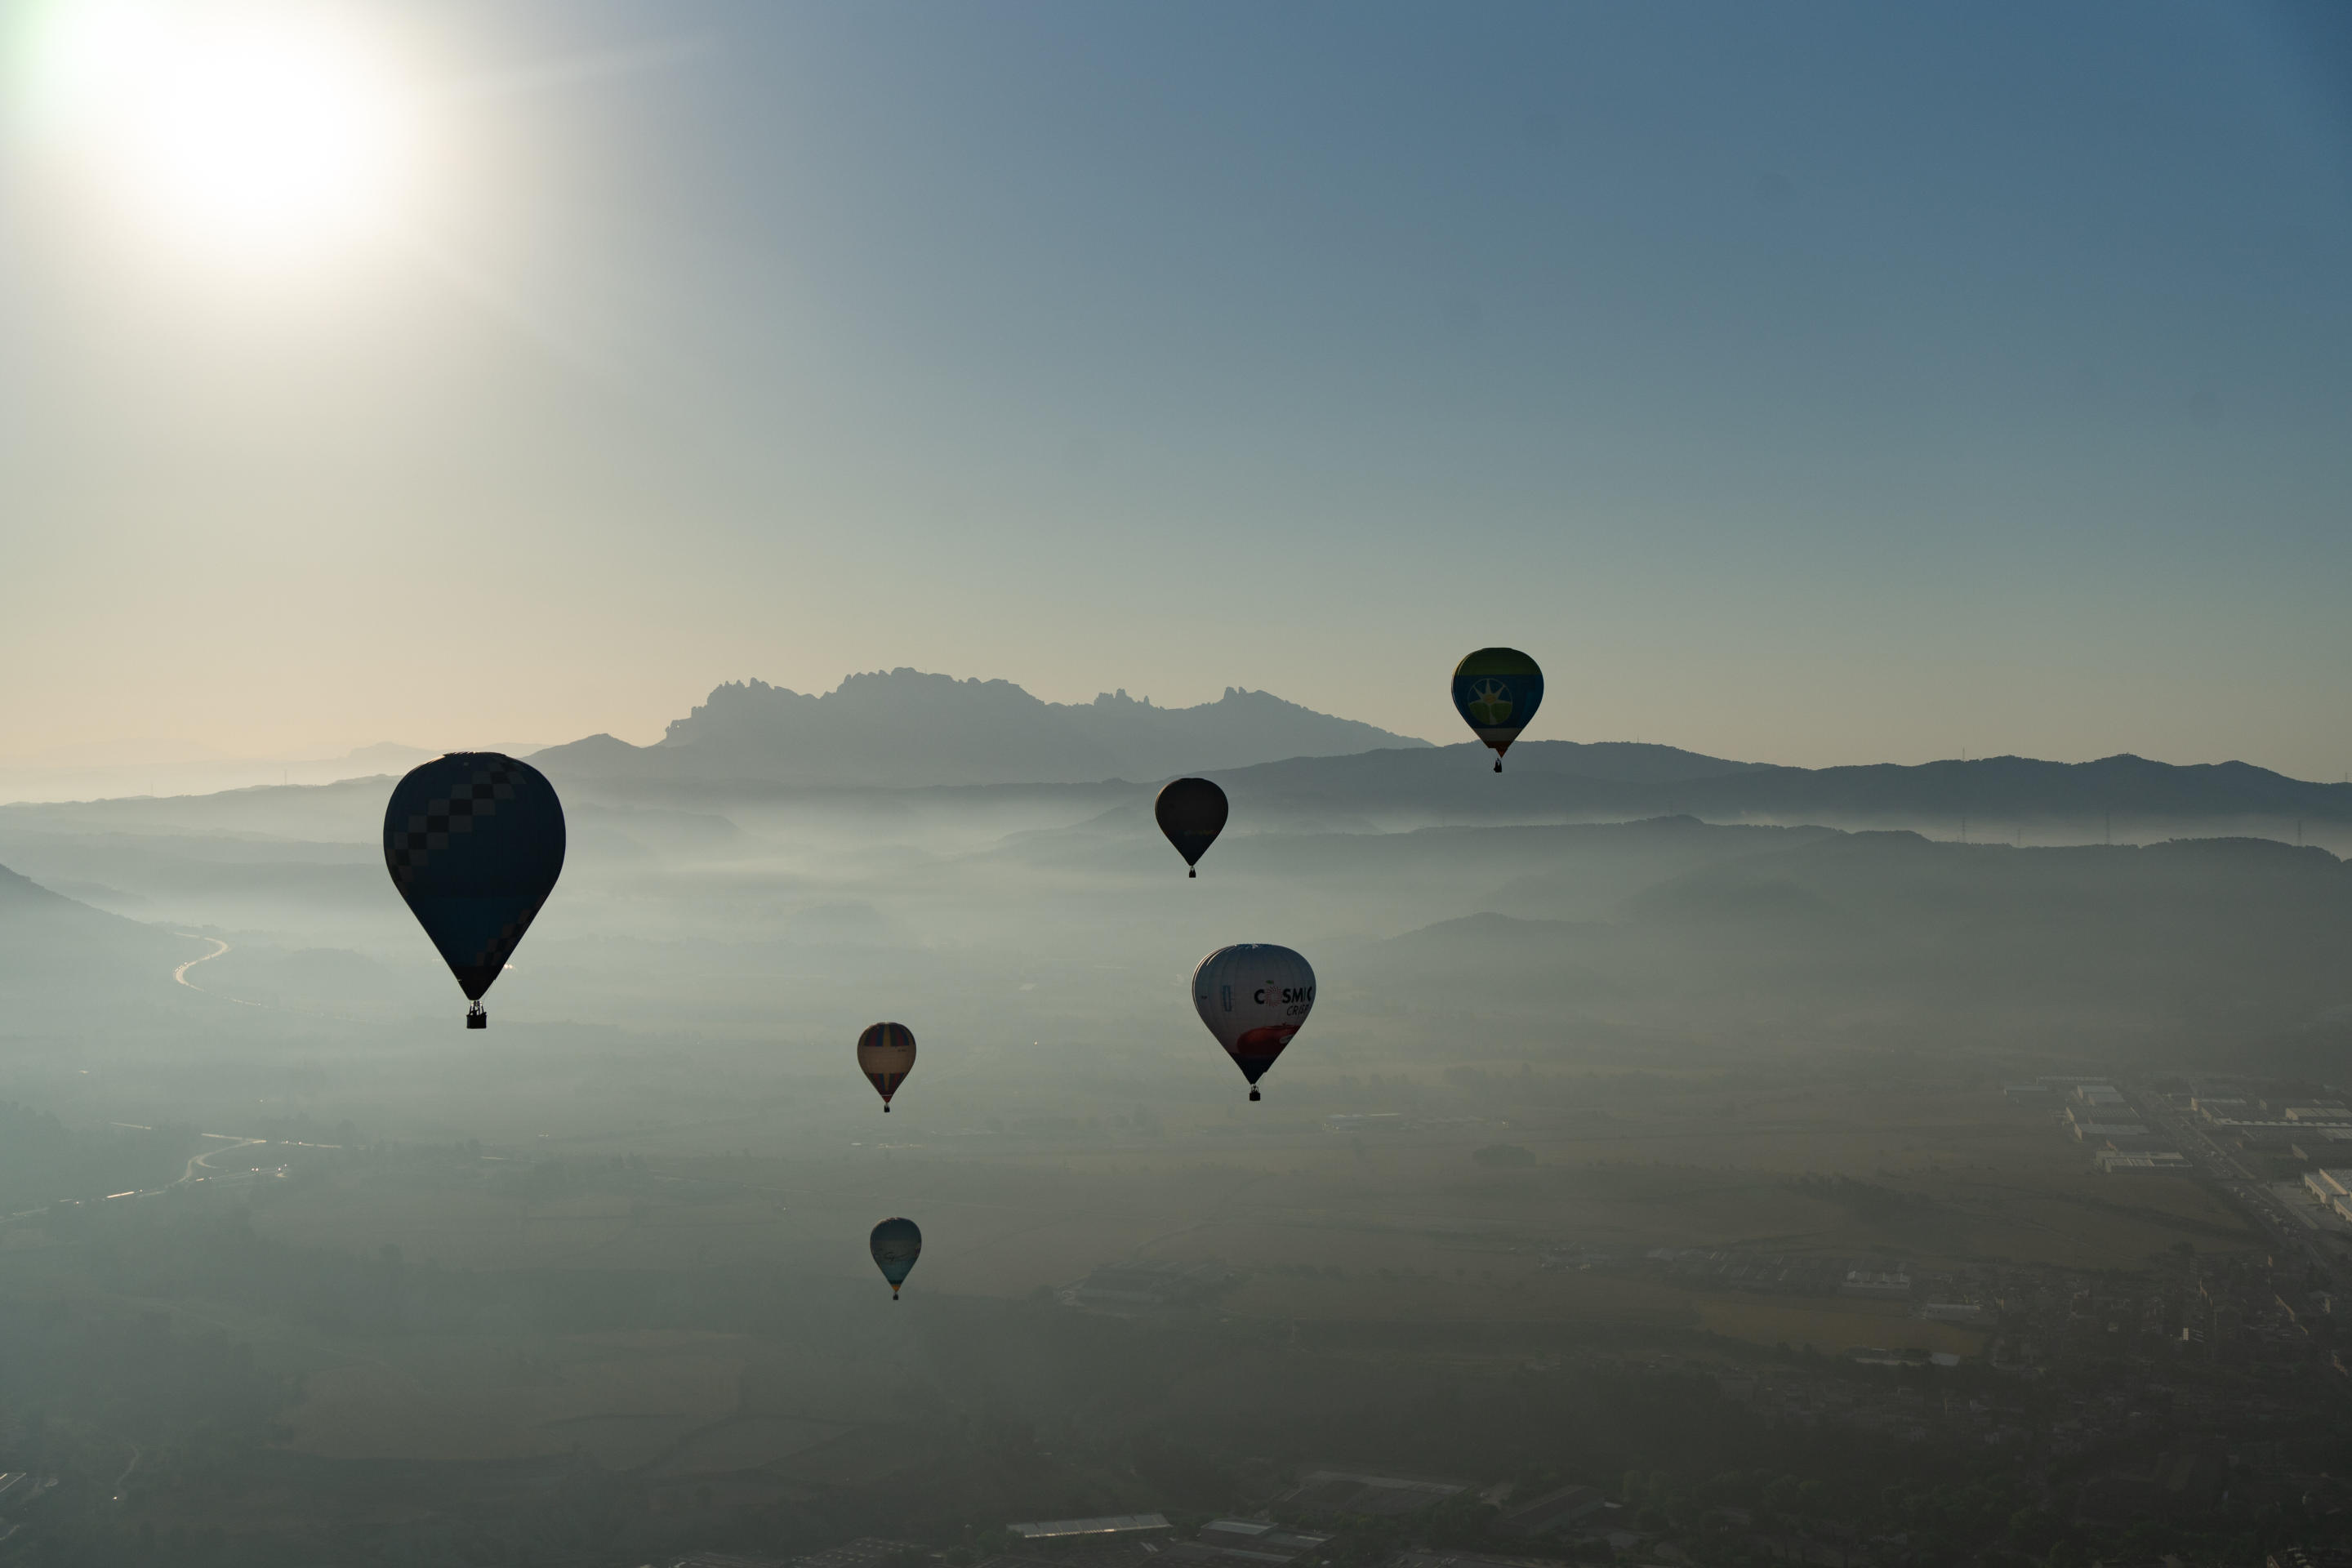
x: 1192, y: 812
x: 473, y: 842
x: 1254, y: 998
x: 1497, y: 692
x: 886, y: 1054
x: 895, y: 1244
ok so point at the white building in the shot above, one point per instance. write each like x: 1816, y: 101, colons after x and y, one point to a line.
x: 1876, y: 1285
x: 2329, y: 1185
x: 2116, y: 1161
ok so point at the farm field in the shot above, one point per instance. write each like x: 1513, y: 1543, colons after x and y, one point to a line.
x: 1357, y: 1225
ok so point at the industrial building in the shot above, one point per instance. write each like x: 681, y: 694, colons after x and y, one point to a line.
x: 2118, y: 1162
x: 1876, y: 1285
x: 2327, y: 1185
x: 2258, y: 1134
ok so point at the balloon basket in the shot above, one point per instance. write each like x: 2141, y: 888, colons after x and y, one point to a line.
x: 476, y: 1018
x: 1498, y: 764
x: 1253, y: 1094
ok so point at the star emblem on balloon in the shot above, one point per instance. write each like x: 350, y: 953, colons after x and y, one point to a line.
x: 1490, y: 701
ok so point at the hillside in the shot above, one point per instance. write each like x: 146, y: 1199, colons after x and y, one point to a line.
x: 2128, y: 796
x: 58, y: 950
x: 2196, y: 946
x: 906, y: 729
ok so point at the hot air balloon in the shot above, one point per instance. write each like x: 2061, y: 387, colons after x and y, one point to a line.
x: 886, y: 1054
x: 895, y: 1244
x: 1497, y: 692
x: 1192, y: 812
x: 473, y: 842
x: 1254, y: 998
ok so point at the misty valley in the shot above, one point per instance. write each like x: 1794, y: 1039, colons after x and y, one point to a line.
x: 1684, y: 1162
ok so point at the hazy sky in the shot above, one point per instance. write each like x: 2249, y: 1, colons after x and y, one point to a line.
x: 1808, y: 382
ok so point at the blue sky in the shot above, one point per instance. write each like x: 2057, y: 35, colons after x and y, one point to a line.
x: 1811, y: 383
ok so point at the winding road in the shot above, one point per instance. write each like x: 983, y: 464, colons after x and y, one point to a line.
x: 219, y: 947
x: 205, y: 1160
x: 181, y: 974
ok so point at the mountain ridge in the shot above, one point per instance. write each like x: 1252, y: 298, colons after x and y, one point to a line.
x: 910, y: 728
x: 1569, y: 779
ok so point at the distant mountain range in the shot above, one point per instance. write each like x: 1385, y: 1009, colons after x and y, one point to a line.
x: 166, y: 768
x: 906, y: 729
x: 1286, y: 765
x: 1990, y: 799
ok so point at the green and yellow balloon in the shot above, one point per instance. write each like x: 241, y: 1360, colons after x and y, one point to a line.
x: 1497, y: 690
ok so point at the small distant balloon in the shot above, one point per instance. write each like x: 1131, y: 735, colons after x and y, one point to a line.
x: 1497, y: 692
x: 1192, y: 812
x: 1254, y: 998
x: 886, y: 1054
x: 895, y: 1244
x: 473, y: 842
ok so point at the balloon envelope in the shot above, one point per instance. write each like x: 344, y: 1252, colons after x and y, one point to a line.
x: 895, y: 1244
x: 473, y: 842
x: 1254, y: 998
x: 886, y: 1054
x: 1497, y: 690
x: 1192, y: 812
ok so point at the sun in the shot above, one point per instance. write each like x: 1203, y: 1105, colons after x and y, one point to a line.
x: 253, y: 133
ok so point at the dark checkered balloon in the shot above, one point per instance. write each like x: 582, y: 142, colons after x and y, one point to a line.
x: 473, y: 842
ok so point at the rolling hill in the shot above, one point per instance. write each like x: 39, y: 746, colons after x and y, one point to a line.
x: 2195, y: 947
x: 55, y: 949
x: 1994, y: 797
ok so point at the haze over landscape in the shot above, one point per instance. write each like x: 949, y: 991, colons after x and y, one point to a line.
x: 1863, y: 1079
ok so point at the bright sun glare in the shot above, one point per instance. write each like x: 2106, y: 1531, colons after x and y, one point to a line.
x: 255, y: 133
